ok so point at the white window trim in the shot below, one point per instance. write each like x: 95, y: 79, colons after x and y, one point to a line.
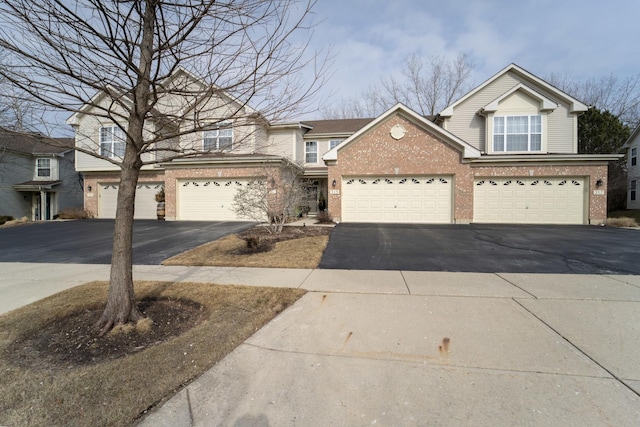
x: 489, y: 143
x: 633, y: 156
x: 117, y: 137
x: 51, y: 168
x: 334, y: 142
x: 215, y: 135
x: 633, y: 190
x: 307, y: 152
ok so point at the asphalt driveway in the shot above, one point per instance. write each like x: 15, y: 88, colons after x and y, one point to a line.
x: 484, y: 248
x: 90, y: 241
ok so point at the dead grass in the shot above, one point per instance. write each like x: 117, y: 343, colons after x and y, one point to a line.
x: 300, y: 252
x: 622, y: 221
x: 629, y: 213
x: 119, y: 391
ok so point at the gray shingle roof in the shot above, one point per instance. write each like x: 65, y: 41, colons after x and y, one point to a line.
x: 32, y: 143
x: 339, y: 126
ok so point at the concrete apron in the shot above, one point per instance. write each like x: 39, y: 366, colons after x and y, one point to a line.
x: 429, y: 348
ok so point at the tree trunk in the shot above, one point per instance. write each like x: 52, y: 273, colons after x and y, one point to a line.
x: 121, y: 307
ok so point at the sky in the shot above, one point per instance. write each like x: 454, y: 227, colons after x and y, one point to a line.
x: 370, y: 39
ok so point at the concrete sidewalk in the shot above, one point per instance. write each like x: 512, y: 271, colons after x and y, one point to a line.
x: 408, y: 348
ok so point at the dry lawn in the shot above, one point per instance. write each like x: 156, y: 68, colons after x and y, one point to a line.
x: 299, y: 251
x: 622, y: 221
x: 120, y: 391
x: 630, y: 213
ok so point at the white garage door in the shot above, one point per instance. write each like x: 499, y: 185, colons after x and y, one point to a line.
x: 146, y: 204
x: 418, y: 199
x: 208, y: 199
x: 529, y: 200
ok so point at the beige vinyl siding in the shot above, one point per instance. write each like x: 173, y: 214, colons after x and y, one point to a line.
x: 561, y: 129
x: 467, y: 124
x: 281, y: 142
x: 470, y: 126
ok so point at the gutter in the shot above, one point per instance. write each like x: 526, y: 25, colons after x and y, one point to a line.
x: 545, y: 158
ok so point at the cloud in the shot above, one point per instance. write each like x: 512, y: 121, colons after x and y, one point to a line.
x: 371, y: 38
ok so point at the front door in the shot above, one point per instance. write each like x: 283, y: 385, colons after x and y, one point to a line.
x: 42, y: 206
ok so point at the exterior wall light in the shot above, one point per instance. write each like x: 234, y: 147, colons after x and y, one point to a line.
x: 333, y: 183
x: 599, y: 183
x: 89, y: 188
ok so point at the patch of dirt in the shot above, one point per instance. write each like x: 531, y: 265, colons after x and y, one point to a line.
x: 260, y: 240
x: 74, y: 341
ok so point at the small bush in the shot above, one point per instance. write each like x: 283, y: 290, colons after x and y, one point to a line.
x: 255, y: 244
x: 324, y: 218
x: 621, y: 222
x: 5, y: 218
x: 74, y: 213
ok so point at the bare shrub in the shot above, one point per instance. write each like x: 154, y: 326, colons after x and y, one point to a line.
x: 73, y: 213
x: 324, y: 217
x: 621, y: 222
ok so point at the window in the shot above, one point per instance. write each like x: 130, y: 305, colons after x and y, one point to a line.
x: 43, y: 168
x: 111, y: 141
x: 311, y: 152
x: 517, y: 133
x: 333, y: 143
x: 632, y: 189
x: 218, y: 139
x: 634, y: 156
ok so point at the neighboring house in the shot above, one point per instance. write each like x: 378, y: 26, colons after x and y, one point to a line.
x: 37, y: 176
x: 504, y: 153
x: 633, y: 169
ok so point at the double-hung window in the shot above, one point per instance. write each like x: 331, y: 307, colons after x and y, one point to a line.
x: 43, y: 168
x: 632, y: 189
x: 311, y: 152
x: 218, y: 139
x: 111, y: 141
x: 634, y: 156
x: 517, y: 133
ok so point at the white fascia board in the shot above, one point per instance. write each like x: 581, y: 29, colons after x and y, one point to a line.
x: 543, y: 158
x: 289, y: 125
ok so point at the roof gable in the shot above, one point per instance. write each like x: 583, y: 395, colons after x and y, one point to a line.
x: 421, y: 121
x: 575, y: 106
x: 629, y: 142
x: 180, y: 73
x: 545, y: 103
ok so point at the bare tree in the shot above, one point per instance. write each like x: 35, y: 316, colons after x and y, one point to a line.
x: 426, y: 85
x: 618, y: 95
x: 273, y: 196
x: 63, y: 53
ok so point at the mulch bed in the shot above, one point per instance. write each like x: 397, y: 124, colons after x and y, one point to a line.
x: 259, y: 239
x: 74, y: 340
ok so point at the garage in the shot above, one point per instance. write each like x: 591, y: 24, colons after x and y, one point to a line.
x: 208, y: 199
x: 384, y: 199
x: 529, y: 200
x: 146, y: 205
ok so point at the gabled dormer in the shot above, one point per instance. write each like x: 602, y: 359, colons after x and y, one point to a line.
x: 515, y: 112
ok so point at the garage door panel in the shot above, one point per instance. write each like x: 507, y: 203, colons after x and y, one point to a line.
x: 208, y: 199
x: 145, y: 204
x: 529, y: 200
x: 397, y: 199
